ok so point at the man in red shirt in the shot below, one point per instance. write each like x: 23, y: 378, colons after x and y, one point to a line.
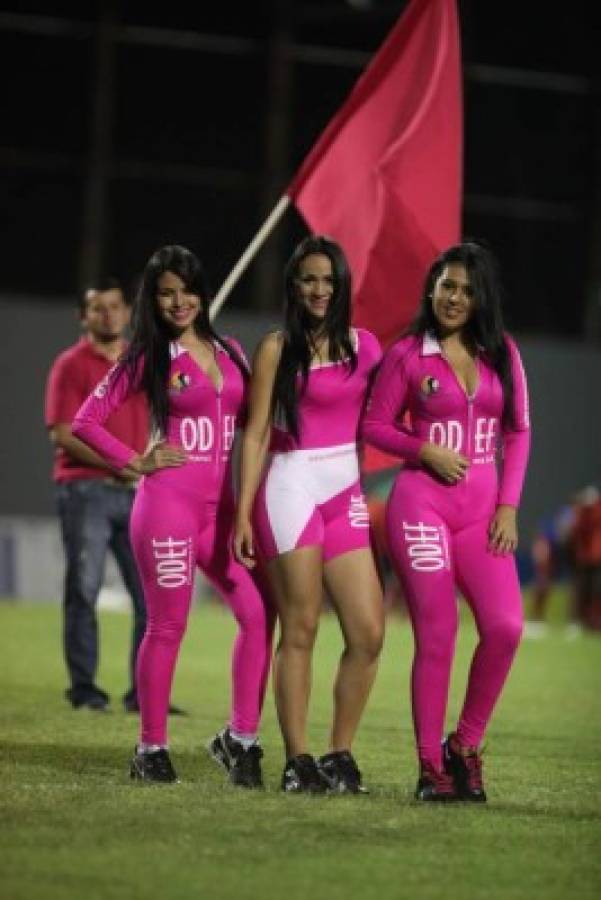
x: 94, y: 501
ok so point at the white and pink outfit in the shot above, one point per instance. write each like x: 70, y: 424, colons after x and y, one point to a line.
x: 438, y: 533
x: 311, y: 493
x: 182, y: 518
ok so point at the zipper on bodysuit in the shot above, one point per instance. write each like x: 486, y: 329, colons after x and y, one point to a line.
x: 219, y: 442
x: 219, y: 446
x: 470, y: 415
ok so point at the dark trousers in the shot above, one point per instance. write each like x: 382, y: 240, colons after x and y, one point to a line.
x: 94, y: 517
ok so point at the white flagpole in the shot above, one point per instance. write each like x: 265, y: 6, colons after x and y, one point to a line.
x: 251, y: 251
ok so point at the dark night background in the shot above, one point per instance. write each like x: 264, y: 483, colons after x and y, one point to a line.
x: 209, y: 108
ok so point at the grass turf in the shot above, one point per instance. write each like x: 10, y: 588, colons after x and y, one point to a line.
x: 75, y: 827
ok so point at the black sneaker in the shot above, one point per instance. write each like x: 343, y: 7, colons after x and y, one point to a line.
x: 301, y: 776
x: 340, y: 773
x: 243, y: 765
x: 95, y: 699
x: 96, y: 704
x: 433, y: 785
x: 154, y: 766
x: 464, y: 765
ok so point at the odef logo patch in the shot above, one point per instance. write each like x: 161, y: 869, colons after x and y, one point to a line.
x: 179, y: 381
x: 430, y: 385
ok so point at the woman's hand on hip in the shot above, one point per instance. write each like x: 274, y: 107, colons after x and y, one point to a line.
x: 503, y: 532
x: 448, y: 464
x: 161, y: 456
x: 244, y: 550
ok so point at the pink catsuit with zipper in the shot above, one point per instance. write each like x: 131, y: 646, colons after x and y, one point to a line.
x: 438, y: 533
x: 182, y: 518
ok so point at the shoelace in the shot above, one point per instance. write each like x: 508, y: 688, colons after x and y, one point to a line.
x: 307, y: 770
x: 348, y: 768
x: 472, y: 760
x: 162, y: 763
x: 442, y: 781
x: 473, y: 764
x: 248, y: 760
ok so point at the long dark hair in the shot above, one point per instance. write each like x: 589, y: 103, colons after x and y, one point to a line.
x: 299, y: 342
x: 151, y: 335
x: 485, y: 325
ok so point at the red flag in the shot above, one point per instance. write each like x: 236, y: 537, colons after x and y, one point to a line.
x: 384, y: 179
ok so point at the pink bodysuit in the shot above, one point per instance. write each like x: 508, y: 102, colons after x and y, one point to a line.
x: 438, y: 533
x: 182, y: 518
x: 311, y: 493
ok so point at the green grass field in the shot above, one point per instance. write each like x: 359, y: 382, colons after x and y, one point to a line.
x: 75, y: 827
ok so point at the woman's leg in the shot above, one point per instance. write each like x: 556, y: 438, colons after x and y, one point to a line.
x: 354, y: 588
x: 163, y: 539
x: 236, y: 747
x: 419, y: 544
x: 255, y: 615
x: 491, y: 588
x: 296, y: 581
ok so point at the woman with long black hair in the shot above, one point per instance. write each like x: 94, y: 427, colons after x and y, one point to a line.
x: 195, y: 382
x: 451, y: 521
x: 310, y: 519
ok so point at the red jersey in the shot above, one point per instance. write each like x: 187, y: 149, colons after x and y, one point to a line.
x: 74, y: 374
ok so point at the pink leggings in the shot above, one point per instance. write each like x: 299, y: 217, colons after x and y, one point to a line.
x: 437, y: 536
x: 173, y: 531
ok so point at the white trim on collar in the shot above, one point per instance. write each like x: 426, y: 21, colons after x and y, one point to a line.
x: 430, y: 345
x: 176, y: 349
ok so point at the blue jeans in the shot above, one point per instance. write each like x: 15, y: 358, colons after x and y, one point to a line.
x: 94, y: 517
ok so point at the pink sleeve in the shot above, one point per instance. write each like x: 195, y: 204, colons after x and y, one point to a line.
x: 516, y: 440
x: 88, y: 425
x: 387, y: 404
